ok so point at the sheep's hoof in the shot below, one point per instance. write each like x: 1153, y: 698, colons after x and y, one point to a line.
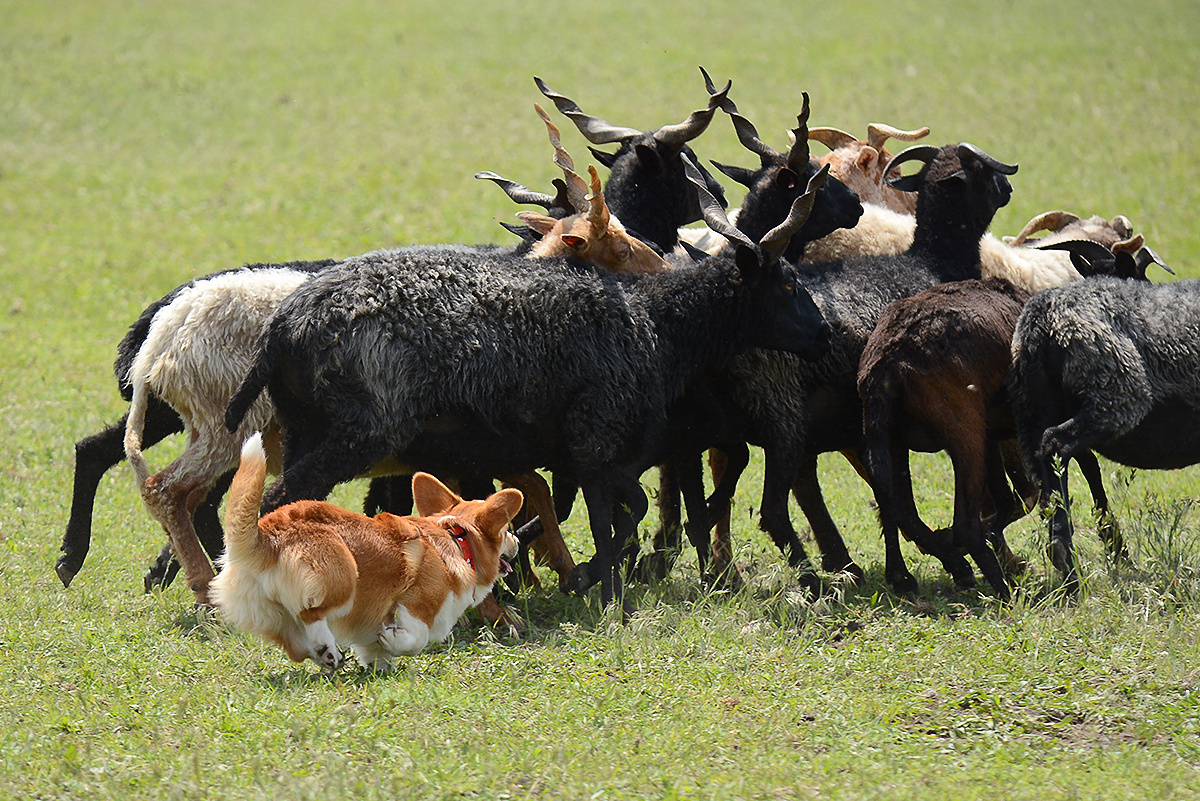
x: 1110, y: 534
x: 653, y: 567
x: 66, y: 568
x: 903, y: 583
x: 161, y: 572
x: 843, y: 565
x: 580, y: 580
x: 811, y: 583
x: 1060, y: 555
x: 726, y: 578
x: 964, y: 580
x: 1011, y: 564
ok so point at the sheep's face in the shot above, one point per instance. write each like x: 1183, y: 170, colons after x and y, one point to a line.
x: 966, y: 180
x: 794, y: 323
x: 776, y: 186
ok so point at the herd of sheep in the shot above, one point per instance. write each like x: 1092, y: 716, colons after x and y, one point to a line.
x: 846, y: 306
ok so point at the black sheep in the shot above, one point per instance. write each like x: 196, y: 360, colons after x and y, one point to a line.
x: 464, y: 362
x: 796, y: 410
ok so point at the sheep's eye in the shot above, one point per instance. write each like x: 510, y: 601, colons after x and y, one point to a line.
x: 788, y: 286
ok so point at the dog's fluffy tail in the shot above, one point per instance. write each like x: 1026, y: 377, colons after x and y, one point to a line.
x: 243, y: 543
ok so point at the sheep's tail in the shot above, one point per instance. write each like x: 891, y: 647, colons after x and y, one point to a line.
x: 135, y: 424
x: 254, y: 382
x: 243, y: 541
x: 879, y: 394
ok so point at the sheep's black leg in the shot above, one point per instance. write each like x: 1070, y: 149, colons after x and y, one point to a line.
x: 969, y: 457
x: 726, y: 465
x: 1106, y: 524
x: 94, y: 456
x: 878, y: 453
x: 602, y: 566
x: 1007, y: 509
x: 835, y: 558
x: 667, y: 537
x: 778, y: 524
x: 389, y: 494
x: 311, y: 473
x: 1060, y: 546
x: 699, y: 523
x: 628, y: 510
x: 908, y: 519
x: 737, y: 457
x: 564, y: 491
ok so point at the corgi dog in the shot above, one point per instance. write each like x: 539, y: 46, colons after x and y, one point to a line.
x: 311, y: 575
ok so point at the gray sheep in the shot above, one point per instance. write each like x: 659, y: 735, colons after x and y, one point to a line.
x: 1108, y: 365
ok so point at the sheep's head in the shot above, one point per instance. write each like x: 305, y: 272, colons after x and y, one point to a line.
x: 591, y: 234
x: 647, y: 186
x: 1096, y: 246
x: 791, y: 320
x: 1060, y: 226
x: 959, y: 188
x: 780, y: 179
x: 860, y: 165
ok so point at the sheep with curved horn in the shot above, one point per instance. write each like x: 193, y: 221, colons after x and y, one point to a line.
x: 647, y: 189
x: 860, y: 164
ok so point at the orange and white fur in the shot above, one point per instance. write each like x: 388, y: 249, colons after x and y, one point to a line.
x: 311, y: 576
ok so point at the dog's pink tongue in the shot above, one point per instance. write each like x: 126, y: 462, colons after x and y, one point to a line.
x: 505, y: 566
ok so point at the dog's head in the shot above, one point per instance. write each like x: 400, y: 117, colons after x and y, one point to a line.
x: 484, y: 524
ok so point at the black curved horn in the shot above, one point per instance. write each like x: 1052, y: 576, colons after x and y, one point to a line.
x: 798, y: 153
x: 714, y: 215
x: 594, y: 129
x: 995, y: 164
x: 911, y: 183
x: 517, y: 192
x: 697, y: 121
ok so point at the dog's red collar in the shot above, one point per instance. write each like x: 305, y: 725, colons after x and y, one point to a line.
x: 460, y: 536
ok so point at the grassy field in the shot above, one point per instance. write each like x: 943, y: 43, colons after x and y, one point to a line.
x: 142, y: 144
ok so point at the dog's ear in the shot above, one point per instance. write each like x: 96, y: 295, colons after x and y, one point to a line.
x: 432, y: 497
x: 498, y: 510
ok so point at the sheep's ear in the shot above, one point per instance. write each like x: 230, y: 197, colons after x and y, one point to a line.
x: 538, y: 222
x: 1087, y: 257
x: 649, y: 157
x: 749, y: 261
x: 742, y: 175
x: 603, y: 157
x: 575, y: 242
x: 867, y: 158
x: 432, y: 497
x: 1146, y: 256
x: 908, y: 183
x: 787, y: 179
x: 523, y: 231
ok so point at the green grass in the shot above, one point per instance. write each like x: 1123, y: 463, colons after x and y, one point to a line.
x: 142, y: 144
